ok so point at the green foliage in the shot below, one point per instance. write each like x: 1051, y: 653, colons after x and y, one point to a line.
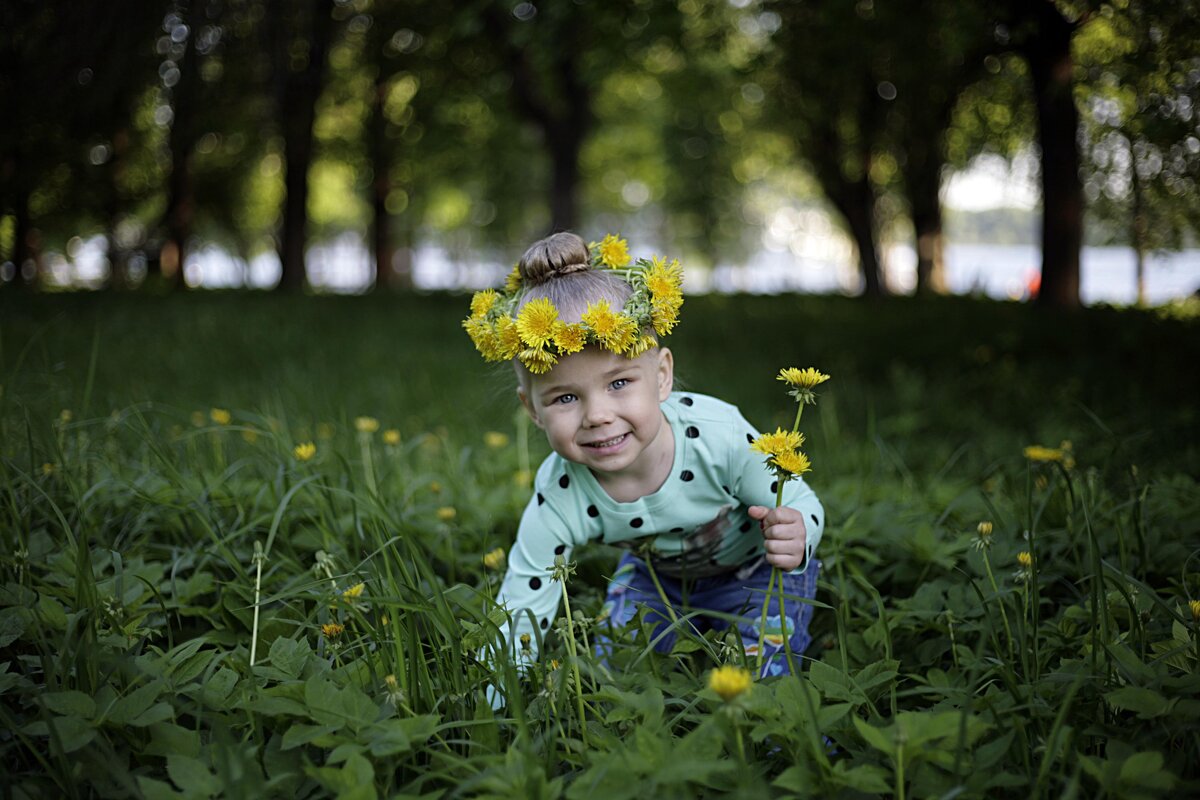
x: 131, y: 597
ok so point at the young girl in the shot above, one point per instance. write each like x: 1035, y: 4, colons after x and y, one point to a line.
x: 667, y: 475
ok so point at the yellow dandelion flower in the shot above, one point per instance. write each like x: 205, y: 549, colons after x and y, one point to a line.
x: 513, y: 282
x: 555, y: 664
x: 332, y: 630
x: 985, y: 529
x: 1194, y: 605
x: 807, y: 378
x: 663, y: 316
x: 494, y: 559
x: 508, y: 339
x: 220, y: 416
x: 624, y: 336
x: 641, y: 345
x: 495, y: 439
x: 354, y: 592
x: 1025, y: 559
x: 569, y: 338
x: 483, y: 336
x: 600, y: 319
x: 391, y: 437
x: 792, y: 462
x: 537, y: 361
x: 435, y: 487
x: 65, y: 416
x: 304, y: 451
x: 366, y: 424
x: 729, y: 681
x: 1039, y: 454
x: 250, y: 436
x: 663, y: 279
x: 447, y: 513
x: 48, y: 468
x: 777, y: 443
x: 612, y: 251
x: 482, y: 303
x: 536, y: 322
x: 526, y: 642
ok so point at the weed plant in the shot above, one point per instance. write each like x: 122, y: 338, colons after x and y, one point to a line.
x: 249, y: 549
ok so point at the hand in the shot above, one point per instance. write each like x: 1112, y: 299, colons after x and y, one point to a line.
x: 784, y: 534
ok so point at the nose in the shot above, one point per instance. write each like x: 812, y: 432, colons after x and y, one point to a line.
x: 598, y: 412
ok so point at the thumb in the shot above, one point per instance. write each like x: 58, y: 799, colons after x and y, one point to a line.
x: 758, y: 512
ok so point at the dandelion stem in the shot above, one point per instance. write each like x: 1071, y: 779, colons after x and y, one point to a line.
x: 259, y: 558
x: 987, y: 563
x: 762, y: 626
x: 574, y: 663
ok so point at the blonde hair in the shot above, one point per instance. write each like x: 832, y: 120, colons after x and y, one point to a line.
x: 559, y: 269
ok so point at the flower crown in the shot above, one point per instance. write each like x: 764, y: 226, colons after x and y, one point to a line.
x: 538, y: 338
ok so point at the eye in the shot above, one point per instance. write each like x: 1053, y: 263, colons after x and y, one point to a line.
x: 620, y: 383
x: 563, y: 399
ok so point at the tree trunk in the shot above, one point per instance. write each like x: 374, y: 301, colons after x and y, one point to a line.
x: 387, y: 273
x: 1049, y: 54
x: 855, y: 201
x: 923, y: 183
x: 564, y: 154
x: 181, y: 206
x: 300, y: 93
x: 1138, y: 228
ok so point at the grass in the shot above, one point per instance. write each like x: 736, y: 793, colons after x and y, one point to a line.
x: 150, y: 547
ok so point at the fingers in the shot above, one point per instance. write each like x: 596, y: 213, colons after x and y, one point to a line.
x: 758, y: 512
x: 785, y: 562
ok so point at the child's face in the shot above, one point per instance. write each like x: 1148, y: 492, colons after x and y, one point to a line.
x: 601, y: 410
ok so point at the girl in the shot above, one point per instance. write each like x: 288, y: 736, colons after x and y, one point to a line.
x: 667, y: 474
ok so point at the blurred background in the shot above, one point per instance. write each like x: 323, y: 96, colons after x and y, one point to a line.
x: 1017, y: 149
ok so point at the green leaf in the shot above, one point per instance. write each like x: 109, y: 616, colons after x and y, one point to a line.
x: 51, y: 613
x: 134, y: 704
x: 217, y: 688
x: 328, y: 705
x: 1145, y: 770
x: 1146, y: 702
x: 275, y: 706
x: 192, y: 776
x: 159, y: 712
x: 73, y: 732
x: 12, y: 625
x: 153, y: 789
x: 867, y: 778
x: 303, y: 734
x: 70, y: 703
x: 289, y: 656
x: 394, y: 736
x: 875, y: 737
x: 167, y: 738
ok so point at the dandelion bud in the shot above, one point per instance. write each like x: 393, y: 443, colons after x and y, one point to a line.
x: 985, y: 529
x: 525, y: 642
x: 1194, y: 605
x: 1025, y: 559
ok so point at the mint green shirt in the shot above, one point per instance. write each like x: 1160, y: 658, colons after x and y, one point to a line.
x: 695, y: 525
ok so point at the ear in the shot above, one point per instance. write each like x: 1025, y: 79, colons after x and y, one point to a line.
x: 529, y: 409
x: 666, y: 373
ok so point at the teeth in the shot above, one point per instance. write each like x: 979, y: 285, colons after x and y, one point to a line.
x: 608, y: 442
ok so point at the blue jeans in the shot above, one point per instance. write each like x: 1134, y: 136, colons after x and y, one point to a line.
x: 738, y: 593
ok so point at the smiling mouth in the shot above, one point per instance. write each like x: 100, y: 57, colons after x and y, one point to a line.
x: 613, y: 442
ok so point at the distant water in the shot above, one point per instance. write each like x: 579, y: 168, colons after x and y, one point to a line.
x: 1000, y: 271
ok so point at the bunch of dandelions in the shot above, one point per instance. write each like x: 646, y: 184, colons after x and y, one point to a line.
x: 785, y: 459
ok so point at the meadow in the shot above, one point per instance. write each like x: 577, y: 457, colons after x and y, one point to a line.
x: 249, y: 549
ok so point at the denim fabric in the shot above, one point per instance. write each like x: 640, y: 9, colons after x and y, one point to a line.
x: 738, y: 593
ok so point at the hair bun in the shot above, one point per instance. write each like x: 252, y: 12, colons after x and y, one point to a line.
x: 553, y: 257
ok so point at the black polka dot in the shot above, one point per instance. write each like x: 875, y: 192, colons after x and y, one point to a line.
x: 593, y: 511
x: 774, y: 487
x: 686, y: 475
x: 535, y: 583
x: 692, y: 432
x: 676, y: 530
x: 541, y: 499
x: 814, y: 519
x: 636, y: 522
x: 726, y: 488
x: 687, y: 401
x: 564, y: 481
x: 558, y: 551
x: 545, y: 623
x: 745, y: 526
x: 750, y: 438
